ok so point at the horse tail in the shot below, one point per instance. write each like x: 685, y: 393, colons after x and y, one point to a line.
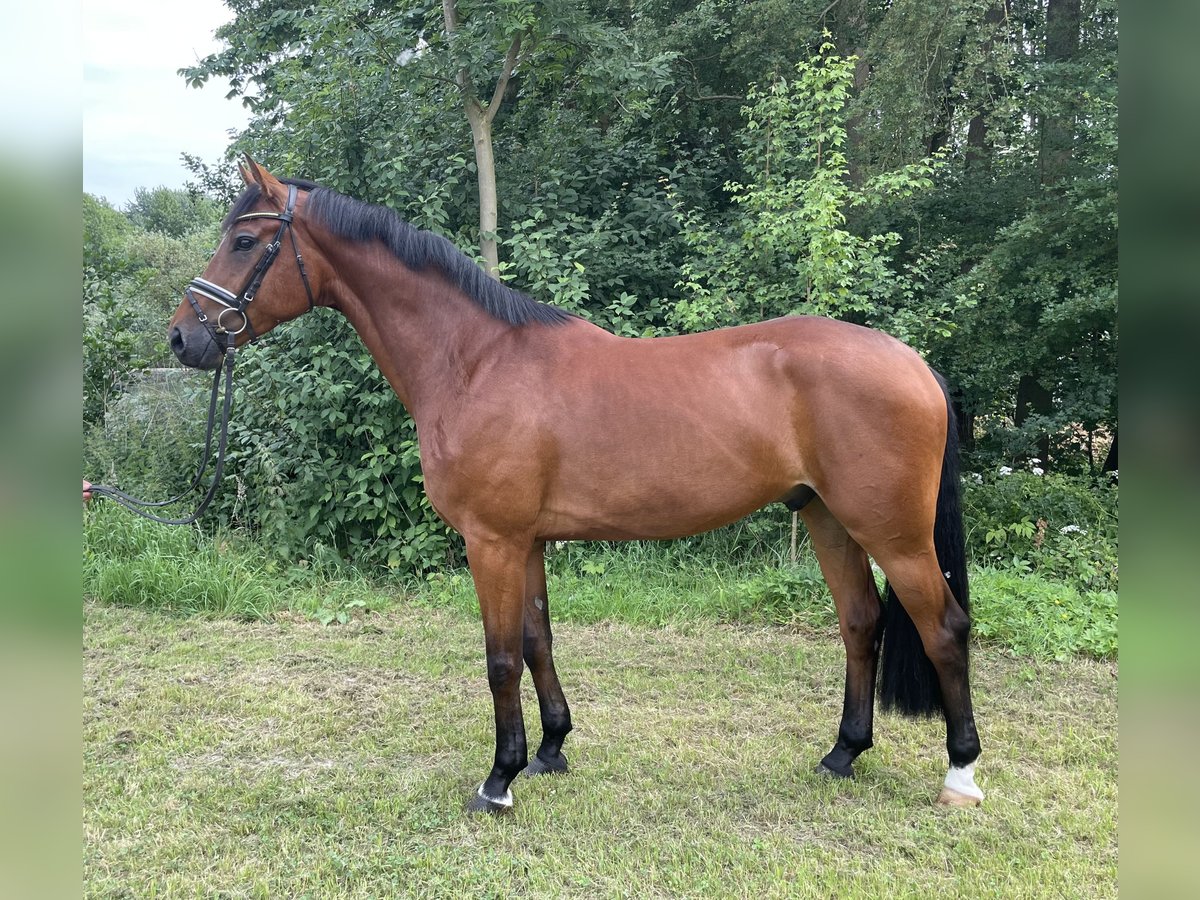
x: 907, y: 681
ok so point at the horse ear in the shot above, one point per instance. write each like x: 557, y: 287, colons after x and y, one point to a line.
x: 271, y: 186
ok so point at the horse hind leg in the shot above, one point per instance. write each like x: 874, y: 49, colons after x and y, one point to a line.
x: 537, y: 647
x: 943, y: 628
x: 847, y: 571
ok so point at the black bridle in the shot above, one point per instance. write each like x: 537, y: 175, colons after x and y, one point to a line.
x: 224, y: 338
x: 239, y: 301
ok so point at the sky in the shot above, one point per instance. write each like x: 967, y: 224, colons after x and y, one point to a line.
x: 138, y: 114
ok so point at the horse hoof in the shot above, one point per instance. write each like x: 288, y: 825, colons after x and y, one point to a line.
x: 951, y: 797
x: 497, y: 806
x: 829, y: 772
x: 539, y: 766
x: 959, y: 788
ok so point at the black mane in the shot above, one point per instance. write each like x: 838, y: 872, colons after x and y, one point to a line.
x: 357, y: 221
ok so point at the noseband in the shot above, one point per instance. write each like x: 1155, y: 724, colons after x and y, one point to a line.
x: 240, y: 301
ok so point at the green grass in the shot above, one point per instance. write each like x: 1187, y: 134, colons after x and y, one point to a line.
x: 131, y: 562
x: 255, y: 728
x: 283, y: 758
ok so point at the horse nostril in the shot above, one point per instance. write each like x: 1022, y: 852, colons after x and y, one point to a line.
x: 176, y: 340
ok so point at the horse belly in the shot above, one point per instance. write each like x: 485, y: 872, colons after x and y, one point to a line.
x: 662, y: 478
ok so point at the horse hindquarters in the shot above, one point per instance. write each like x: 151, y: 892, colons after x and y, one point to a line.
x: 926, y: 631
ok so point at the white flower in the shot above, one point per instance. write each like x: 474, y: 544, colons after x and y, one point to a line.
x: 1037, y: 471
x: 976, y: 477
x: 1071, y: 529
x: 558, y: 545
x: 1005, y: 470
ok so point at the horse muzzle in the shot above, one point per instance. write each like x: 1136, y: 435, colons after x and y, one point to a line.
x: 194, y: 346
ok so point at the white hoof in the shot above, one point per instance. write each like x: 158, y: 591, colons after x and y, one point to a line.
x: 960, y: 788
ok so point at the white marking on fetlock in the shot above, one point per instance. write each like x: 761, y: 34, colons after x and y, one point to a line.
x: 505, y: 801
x: 963, y: 781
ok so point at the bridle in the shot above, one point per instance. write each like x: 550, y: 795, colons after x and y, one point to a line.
x: 240, y: 301
x: 224, y: 338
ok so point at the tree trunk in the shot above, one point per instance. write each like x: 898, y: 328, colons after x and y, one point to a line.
x: 1058, y: 130
x: 1033, y: 399
x: 978, y: 159
x: 1110, y: 459
x: 480, y: 117
x: 965, y: 421
x: 852, y: 27
x: 485, y: 170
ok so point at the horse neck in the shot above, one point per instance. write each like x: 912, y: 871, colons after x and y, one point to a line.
x: 424, y: 333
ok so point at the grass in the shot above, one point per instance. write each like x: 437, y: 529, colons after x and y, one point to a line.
x: 130, y: 562
x: 285, y: 758
x: 235, y: 745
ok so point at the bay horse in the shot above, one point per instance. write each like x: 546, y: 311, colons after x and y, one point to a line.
x: 535, y: 425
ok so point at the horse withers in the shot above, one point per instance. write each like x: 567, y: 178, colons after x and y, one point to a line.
x: 535, y: 425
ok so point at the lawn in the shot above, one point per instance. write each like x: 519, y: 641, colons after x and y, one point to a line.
x: 286, y: 758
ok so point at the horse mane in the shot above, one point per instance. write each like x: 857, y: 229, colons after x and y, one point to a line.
x: 416, y: 248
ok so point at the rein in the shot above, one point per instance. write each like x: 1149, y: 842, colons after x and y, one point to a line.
x: 133, y: 504
x: 223, y: 337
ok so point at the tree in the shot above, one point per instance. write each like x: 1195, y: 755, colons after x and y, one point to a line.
x: 354, y: 72
x: 789, y: 249
x: 170, y: 211
x: 480, y: 118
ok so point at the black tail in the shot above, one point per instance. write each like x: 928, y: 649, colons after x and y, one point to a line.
x: 907, y: 680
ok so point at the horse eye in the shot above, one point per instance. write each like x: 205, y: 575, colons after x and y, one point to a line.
x: 245, y: 242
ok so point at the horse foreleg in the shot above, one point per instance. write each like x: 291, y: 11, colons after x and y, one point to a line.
x: 847, y: 571
x: 556, y: 716
x: 498, y: 569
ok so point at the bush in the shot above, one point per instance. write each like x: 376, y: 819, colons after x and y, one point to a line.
x: 1035, y: 617
x: 324, y: 453
x: 1060, y: 527
x: 149, y: 438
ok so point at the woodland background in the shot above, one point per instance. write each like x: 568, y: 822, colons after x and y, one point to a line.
x: 944, y: 171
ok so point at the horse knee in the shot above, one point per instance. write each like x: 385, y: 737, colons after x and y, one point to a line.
x: 502, y: 669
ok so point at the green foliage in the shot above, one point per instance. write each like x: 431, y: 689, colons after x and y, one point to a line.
x: 108, y: 345
x: 1034, y: 616
x: 783, y: 595
x: 129, y: 561
x: 325, y: 454
x: 1059, y: 527
x: 790, y: 249
x: 105, y: 231
x: 171, y: 212
x: 150, y: 438
x: 660, y: 167
x: 133, y: 278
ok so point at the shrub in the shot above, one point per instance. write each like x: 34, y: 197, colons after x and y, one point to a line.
x: 1058, y: 526
x: 149, y: 439
x: 1035, y: 617
x: 324, y: 453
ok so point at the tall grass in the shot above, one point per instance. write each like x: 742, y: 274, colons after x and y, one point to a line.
x: 131, y: 562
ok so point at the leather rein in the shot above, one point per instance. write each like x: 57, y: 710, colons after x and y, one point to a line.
x: 225, y: 338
